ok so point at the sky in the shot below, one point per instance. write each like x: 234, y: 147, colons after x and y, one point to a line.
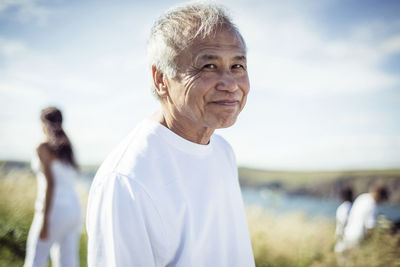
x: 325, y: 79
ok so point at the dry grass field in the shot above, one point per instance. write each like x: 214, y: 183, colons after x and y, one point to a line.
x: 278, y: 240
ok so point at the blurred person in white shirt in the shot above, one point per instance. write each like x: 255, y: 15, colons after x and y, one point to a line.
x: 342, y: 215
x: 363, y: 216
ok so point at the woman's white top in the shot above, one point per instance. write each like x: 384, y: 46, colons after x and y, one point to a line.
x: 64, y: 176
x: 342, y: 215
x: 160, y: 200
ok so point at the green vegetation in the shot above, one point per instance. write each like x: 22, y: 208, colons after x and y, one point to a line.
x: 314, y: 183
x: 278, y: 240
x: 16, y: 213
x: 257, y: 177
x: 17, y: 197
x: 295, y: 240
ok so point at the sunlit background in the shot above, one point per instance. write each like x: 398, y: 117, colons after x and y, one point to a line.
x: 325, y: 79
x: 323, y: 112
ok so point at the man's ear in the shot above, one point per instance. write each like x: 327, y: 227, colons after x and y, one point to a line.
x: 160, y: 83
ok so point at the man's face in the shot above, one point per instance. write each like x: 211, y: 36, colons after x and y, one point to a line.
x: 212, y: 84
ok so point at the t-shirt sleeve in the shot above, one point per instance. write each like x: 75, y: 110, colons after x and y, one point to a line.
x: 124, y: 227
x: 370, y: 220
x: 227, y: 148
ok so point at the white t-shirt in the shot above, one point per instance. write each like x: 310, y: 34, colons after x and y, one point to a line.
x: 342, y: 215
x: 362, y: 216
x: 160, y: 200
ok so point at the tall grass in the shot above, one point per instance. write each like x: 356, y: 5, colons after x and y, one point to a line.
x: 296, y: 240
x: 17, y: 198
x: 290, y: 239
x: 278, y: 240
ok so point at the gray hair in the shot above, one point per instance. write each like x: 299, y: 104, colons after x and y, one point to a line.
x: 178, y: 27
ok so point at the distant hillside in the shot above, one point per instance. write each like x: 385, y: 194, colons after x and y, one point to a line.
x: 321, y: 183
x: 88, y: 171
x: 8, y: 165
x: 313, y: 183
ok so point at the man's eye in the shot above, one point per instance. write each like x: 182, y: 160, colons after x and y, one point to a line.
x: 209, y: 66
x: 237, y: 66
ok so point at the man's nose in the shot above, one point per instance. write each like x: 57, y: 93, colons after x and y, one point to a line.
x: 227, y: 82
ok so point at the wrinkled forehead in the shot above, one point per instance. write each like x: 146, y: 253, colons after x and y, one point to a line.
x: 223, y: 40
x: 224, y: 36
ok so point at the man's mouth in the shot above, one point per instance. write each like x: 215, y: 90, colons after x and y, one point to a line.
x: 226, y: 102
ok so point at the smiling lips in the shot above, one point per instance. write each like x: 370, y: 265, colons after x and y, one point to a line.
x: 228, y: 103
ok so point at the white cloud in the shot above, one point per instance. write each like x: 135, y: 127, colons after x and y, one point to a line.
x: 327, y: 152
x: 391, y: 45
x: 14, y: 92
x: 291, y: 54
x: 100, y: 94
x: 320, y: 77
x: 11, y: 48
x: 26, y: 10
x: 99, y: 79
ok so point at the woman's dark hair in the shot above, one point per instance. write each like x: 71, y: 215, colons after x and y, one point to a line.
x: 346, y: 194
x: 58, y: 143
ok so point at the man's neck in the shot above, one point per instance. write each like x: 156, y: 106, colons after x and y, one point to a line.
x: 199, y: 135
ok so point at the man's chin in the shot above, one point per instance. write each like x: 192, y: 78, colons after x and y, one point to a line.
x: 226, y: 123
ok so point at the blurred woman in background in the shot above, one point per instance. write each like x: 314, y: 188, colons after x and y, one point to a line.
x: 56, y: 225
x: 342, y: 216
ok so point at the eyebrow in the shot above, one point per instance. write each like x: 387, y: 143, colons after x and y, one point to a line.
x: 240, y: 58
x: 207, y: 57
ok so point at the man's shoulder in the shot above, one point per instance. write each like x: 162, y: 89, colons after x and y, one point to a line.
x: 129, y: 154
x: 223, y: 145
x: 365, y: 198
x: 364, y: 202
x: 220, y: 140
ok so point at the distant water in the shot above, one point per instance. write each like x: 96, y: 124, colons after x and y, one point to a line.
x: 311, y: 206
x: 283, y: 203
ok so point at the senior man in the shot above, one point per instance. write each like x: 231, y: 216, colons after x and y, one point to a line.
x: 169, y: 195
